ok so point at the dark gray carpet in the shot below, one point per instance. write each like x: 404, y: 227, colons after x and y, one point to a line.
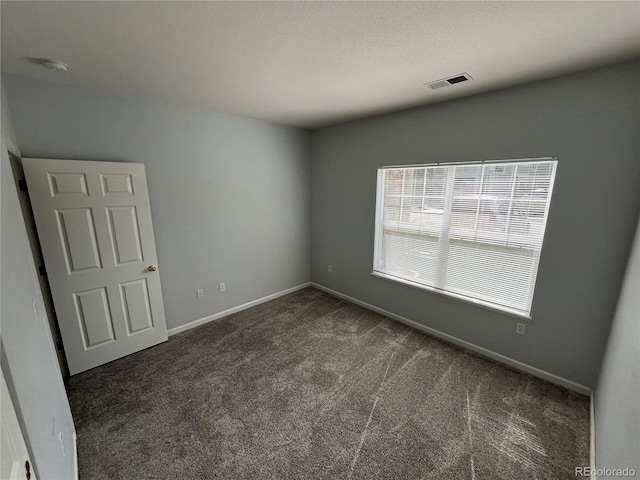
x: 311, y: 387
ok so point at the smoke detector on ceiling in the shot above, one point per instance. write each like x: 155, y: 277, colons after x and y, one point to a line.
x: 55, y: 65
x: 445, y: 82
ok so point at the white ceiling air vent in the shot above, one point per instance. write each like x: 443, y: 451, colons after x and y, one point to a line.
x: 445, y: 82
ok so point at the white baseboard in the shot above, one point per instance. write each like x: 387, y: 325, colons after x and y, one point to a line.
x: 76, y: 476
x: 592, y: 436
x: 217, y: 316
x: 536, y: 372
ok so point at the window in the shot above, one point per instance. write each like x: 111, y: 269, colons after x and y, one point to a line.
x: 471, y: 230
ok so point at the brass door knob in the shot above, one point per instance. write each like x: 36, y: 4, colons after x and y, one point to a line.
x: 152, y: 268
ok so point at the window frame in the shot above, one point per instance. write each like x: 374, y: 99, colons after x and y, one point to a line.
x: 379, y: 235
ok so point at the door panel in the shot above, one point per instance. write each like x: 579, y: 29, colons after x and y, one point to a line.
x: 94, y: 316
x: 78, y: 235
x: 94, y: 224
x: 65, y: 183
x: 137, y: 308
x: 125, y: 234
x: 116, y: 184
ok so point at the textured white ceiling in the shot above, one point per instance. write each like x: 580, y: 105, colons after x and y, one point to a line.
x: 310, y: 64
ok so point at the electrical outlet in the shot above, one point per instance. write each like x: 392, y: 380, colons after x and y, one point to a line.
x: 520, y: 328
x: 223, y: 287
x: 329, y: 268
x: 199, y: 293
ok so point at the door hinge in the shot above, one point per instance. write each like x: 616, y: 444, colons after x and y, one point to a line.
x: 42, y: 271
x: 22, y: 184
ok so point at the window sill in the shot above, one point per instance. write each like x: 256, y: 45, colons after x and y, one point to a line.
x: 462, y: 298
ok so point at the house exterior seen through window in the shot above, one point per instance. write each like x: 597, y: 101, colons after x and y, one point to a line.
x: 471, y: 230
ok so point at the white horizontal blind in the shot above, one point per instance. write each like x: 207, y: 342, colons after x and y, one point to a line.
x: 469, y: 229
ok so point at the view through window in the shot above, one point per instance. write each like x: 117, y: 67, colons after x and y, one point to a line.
x: 473, y: 230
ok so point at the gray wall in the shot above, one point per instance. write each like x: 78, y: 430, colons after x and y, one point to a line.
x: 28, y: 358
x: 230, y: 202
x: 229, y: 195
x: 617, y: 396
x: 590, y: 121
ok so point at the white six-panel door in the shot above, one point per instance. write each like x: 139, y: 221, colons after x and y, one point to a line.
x: 94, y: 225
